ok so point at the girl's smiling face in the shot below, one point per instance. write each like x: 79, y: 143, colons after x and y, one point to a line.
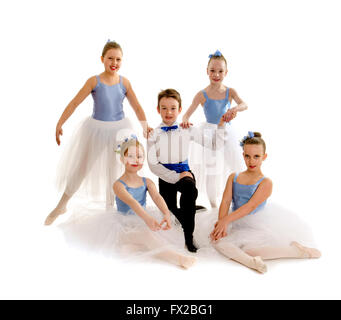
x: 254, y: 156
x: 112, y: 60
x: 216, y: 71
x: 133, y: 158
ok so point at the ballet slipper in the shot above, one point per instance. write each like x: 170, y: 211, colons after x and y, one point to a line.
x: 306, y: 252
x: 54, y: 215
x: 187, y: 261
x: 259, y: 265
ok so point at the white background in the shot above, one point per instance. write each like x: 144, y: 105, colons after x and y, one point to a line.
x: 283, y: 60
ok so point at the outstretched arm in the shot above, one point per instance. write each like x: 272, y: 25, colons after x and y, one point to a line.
x: 128, y: 199
x: 263, y: 192
x: 198, y: 99
x: 137, y: 107
x: 160, y: 203
x: 75, y: 102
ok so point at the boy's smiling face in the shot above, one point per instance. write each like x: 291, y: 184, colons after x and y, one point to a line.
x: 169, y: 110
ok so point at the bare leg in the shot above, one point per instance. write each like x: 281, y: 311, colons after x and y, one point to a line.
x: 60, y: 209
x: 235, y: 253
x: 148, y: 240
x: 295, y: 250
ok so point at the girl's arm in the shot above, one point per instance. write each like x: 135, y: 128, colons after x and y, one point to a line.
x: 136, y: 107
x: 128, y: 199
x: 160, y: 203
x: 198, y: 99
x: 263, y: 192
x: 241, y: 106
x: 75, y: 102
x: 227, y: 198
x: 224, y: 206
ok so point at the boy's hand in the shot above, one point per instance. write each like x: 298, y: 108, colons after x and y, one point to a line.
x: 185, y: 174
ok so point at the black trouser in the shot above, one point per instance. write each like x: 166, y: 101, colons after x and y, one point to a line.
x: 189, y: 193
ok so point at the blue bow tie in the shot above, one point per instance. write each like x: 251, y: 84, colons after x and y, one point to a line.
x: 170, y: 128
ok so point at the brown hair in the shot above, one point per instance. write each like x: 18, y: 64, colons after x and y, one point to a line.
x: 111, y: 45
x: 221, y: 57
x: 257, y: 139
x: 169, y: 93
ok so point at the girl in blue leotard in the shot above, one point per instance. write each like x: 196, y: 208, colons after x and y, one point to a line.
x: 89, y: 163
x: 216, y: 100
x: 254, y: 230
x: 134, y: 227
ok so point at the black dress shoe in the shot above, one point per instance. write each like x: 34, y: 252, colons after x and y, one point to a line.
x: 191, y: 247
x: 189, y: 244
x: 200, y: 208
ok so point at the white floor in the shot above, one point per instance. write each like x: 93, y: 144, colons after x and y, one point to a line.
x: 37, y: 264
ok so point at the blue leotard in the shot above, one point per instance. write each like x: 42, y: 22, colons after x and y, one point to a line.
x: 214, y: 109
x: 242, y: 193
x: 139, y: 194
x: 108, y: 101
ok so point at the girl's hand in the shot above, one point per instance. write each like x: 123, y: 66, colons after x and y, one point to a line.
x: 219, y: 230
x: 166, y: 220
x: 152, y: 224
x: 59, y: 132
x: 147, y: 132
x: 185, y: 124
x: 230, y: 114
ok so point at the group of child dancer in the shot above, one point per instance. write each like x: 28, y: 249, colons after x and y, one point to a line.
x: 104, y: 157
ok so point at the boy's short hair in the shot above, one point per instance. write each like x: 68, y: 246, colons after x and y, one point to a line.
x: 169, y: 93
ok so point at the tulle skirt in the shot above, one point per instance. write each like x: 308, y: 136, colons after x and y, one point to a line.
x: 211, y: 167
x: 89, y: 164
x: 273, y: 226
x: 113, y: 233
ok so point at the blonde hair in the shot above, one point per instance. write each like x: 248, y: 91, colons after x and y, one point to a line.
x: 132, y: 142
x: 221, y: 57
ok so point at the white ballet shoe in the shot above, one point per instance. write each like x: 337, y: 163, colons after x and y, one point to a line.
x: 310, y: 253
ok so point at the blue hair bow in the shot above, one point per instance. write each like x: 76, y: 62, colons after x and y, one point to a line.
x: 111, y: 40
x: 216, y: 54
x: 132, y: 136
x: 250, y: 135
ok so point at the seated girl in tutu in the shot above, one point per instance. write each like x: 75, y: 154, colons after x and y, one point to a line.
x: 132, y: 226
x: 255, y: 231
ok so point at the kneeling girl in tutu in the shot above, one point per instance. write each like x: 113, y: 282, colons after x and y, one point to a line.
x: 133, y: 226
x: 255, y: 231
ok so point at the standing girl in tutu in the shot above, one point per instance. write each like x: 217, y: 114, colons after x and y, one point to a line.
x: 255, y: 231
x: 216, y: 100
x: 133, y: 226
x: 88, y: 162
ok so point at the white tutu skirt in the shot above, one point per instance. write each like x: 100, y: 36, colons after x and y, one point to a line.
x: 273, y: 226
x: 112, y: 233
x: 212, y: 167
x: 89, y: 163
